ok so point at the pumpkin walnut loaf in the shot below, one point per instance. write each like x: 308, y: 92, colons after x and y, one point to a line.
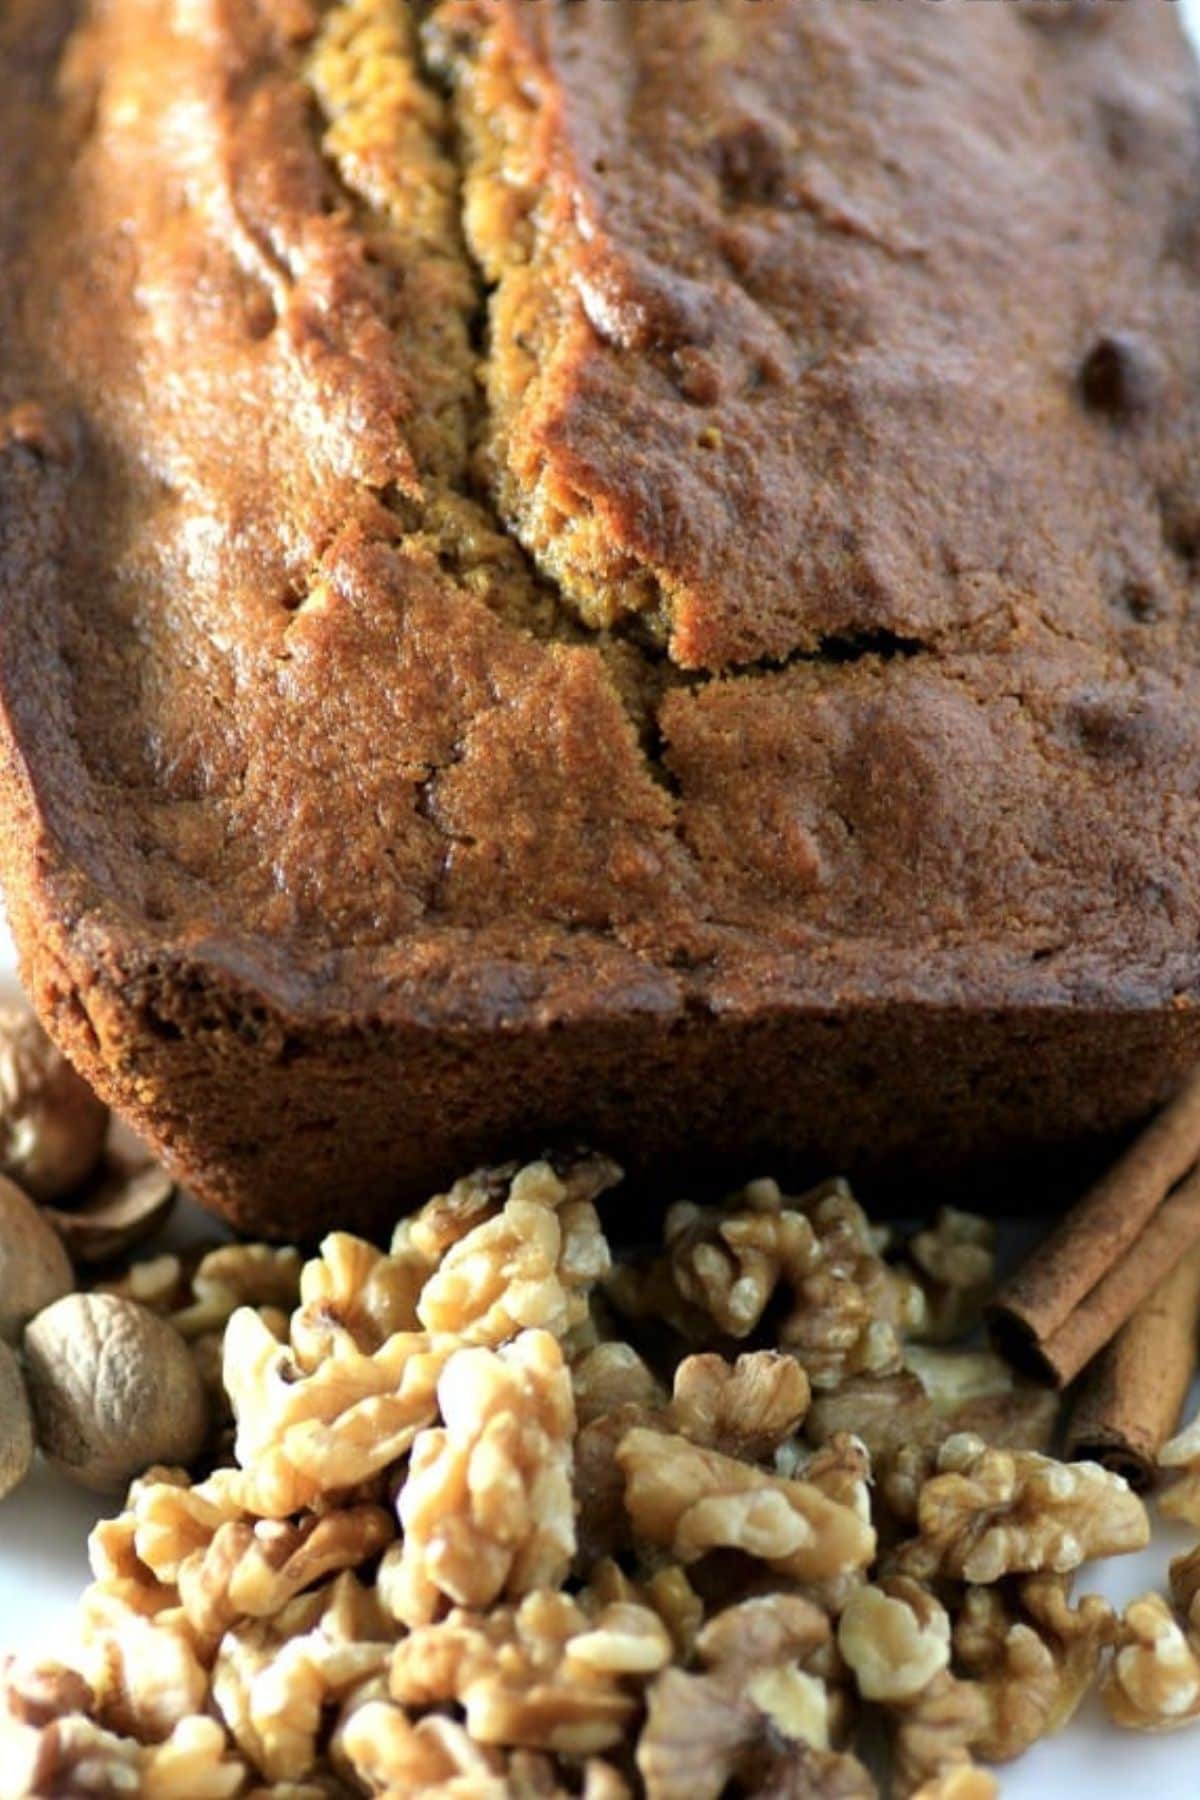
x: 603, y: 568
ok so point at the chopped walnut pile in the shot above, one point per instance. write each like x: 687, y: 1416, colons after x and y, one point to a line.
x: 488, y: 1515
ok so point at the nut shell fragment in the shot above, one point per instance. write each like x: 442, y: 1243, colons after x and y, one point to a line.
x: 127, y: 1205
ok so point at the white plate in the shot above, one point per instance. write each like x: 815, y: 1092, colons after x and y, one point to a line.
x: 43, y: 1566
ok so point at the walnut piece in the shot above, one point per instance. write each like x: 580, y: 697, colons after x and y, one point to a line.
x: 840, y: 1469
x: 1033, y: 1656
x: 52, y: 1126
x: 727, y: 1261
x: 603, y: 1526
x: 1180, y: 1459
x: 113, y: 1390
x: 895, y: 1637
x: 1153, y: 1680
x: 613, y: 1375
x: 668, y: 1592
x: 953, y: 1378
x: 273, y: 1679
x: 887, y: 1412
x: 1185, y: 1587
x: 955, y: 1259
x: 798, y: 1772
x: 541, y: 1675
x: 757, y: 1704
x: 447, y: 1218
x: 16, y: 1423
x: 233, y: 1275
x: 989, y: 1513
x: 155, y: 1282
x: 934, y: 1734
x: 302, y: 1435
x: 166, y: 1520
x: 964, y: 1782
x: 34, y: 1693
x: 690, y: 1500
x: 532, y: 1265
x: 848, y: 1308
x: 896, y: 1418
x: 354, y: 1297
x: 35, y: 1269
x: 145, y: 1673
x: 252, y: 1568
x: 385, y: 1752
x: 486, y: 1507
x: 73, y: 1755
x: 744, y: 1409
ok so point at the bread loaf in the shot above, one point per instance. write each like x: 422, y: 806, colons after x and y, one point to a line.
x: 612, y: 569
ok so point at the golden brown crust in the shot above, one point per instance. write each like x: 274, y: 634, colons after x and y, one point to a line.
x: 381, y: 774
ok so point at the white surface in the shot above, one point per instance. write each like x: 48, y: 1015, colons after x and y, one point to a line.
x: 43, y: 1566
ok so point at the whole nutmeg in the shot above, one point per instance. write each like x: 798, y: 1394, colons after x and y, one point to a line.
x: 16, y: 1423
x: 114, y: 1389
x: 34, y: 1267
x: 52, y: 1126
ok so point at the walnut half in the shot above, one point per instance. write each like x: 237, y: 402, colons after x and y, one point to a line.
x: 988, y: 1513
x: 690, y: 1501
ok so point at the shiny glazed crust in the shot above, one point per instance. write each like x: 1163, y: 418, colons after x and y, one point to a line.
x: 607, y: 570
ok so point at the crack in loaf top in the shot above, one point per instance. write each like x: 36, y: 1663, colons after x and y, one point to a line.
x: 791, y: 301
x: 606, y: 478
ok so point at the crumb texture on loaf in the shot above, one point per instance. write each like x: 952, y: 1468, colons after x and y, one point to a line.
x: 442, y: 396
x: 668, y: 505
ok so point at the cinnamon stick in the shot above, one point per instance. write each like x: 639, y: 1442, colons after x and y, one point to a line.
x: 1131, y: 1398
x: 1073, y: 1294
